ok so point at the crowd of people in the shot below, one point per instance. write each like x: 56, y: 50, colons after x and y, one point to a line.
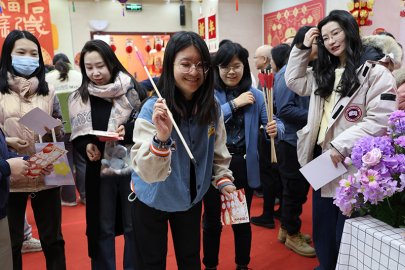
x: 206, y: 133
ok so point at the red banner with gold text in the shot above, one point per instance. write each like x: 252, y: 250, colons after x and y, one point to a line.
x: 201, y: 27
x: 30, y: 15
x: 282, y: 24
x: 212, y: 27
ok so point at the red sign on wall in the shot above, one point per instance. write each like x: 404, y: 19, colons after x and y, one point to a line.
x: 201, y: 27
x: 212, y: 27
x: 30, y: 15
x: 282, y: 24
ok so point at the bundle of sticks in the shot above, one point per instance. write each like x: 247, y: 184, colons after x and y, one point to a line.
x: 266, y: 79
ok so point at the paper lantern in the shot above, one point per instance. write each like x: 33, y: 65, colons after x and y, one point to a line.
x: 148, y: 48
x: 129, y: 49
x: 113, y: 47
x: 158, y: 47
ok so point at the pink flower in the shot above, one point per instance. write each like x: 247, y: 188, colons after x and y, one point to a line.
x: 372, y: 158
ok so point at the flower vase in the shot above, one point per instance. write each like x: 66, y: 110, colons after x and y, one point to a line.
x: 391, y: 210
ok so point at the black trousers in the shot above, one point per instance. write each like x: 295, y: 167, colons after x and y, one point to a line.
x: 46, y: 205
x: 269, y: 177
x: 295, y: 188
x: 150, y: 228
x: 212, y: 226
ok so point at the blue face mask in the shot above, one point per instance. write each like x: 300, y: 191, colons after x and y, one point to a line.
x: 25, y: 65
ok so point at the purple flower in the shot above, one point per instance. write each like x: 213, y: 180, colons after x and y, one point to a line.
x: 400, y: 141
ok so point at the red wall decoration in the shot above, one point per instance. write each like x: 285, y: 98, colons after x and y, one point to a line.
x: 212, y: 27
x: 30, y: 15
x: 201, y: 27
x: 282, y: 24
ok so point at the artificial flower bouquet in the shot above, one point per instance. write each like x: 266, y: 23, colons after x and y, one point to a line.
x: 377, y: 188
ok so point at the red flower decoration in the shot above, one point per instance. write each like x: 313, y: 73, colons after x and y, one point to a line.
x: 113, y: 47
x: 129, y: 49
x: 158, y: 47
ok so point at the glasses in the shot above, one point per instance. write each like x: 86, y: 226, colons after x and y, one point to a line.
x: 335, y: 35
x: 227, y: 69
x: 187, y: 67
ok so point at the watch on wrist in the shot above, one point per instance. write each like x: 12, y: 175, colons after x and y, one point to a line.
x: 162, y: 145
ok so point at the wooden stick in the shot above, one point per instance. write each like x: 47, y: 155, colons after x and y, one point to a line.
x: 168, y: 111
x: 268, y: 90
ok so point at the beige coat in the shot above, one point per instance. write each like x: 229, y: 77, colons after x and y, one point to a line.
x: 365, y: 113
x: 12, y: 108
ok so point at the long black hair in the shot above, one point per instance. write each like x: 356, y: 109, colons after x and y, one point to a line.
x: 114, y: 66
x: 327, y: 63
x: 227, y: 50
x: 6, y: 62
x: 62, y: 65
x: 203, y: 98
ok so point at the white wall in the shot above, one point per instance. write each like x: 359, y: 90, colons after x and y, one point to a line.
x: 155, y: 17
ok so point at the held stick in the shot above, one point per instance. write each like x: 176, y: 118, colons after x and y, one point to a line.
x: 169, y: 112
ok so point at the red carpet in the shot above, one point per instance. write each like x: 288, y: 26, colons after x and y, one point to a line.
x: 267, y: 252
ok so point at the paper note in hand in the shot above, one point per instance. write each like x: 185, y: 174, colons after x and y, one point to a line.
x: 234, y: 210
x: 105, y: 136
x: 47, y: 156
x: 321, y: 171
x: 37, y: 120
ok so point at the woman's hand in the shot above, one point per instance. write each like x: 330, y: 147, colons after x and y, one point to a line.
x: 227, y: 190
x: 121, y: 131
x: 271, y: 128
x: 246, y: 98
x: 18, y: 166
x: 47, y: 170
x: 92, y: 152
x: 310, y: 36
x: 17, y: 144
x: 162, y: 120
x: 336, y: 157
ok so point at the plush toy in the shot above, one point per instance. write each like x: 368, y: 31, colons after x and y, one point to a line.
x: 114, y: 162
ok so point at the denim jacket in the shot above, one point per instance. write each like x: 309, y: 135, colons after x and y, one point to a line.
x: 163, y: 181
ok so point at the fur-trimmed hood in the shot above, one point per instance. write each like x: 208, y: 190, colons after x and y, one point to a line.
x: 387, y: 45
x: 399, y: 75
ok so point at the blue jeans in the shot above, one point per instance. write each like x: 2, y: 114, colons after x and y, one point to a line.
x: 114, y: 190
x: 327, y: 222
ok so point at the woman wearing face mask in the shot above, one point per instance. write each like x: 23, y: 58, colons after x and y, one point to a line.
x: 350, y: 98
x: 22, y: 88
x: 244, y: 110
x: 107, y: 100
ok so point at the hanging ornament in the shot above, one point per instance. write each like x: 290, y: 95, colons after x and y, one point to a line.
x: 112, y: 45
x: 158, y: 44
x: 237, y: 5
x: 361, y: 10
x: 123, y: 6
x: 148, y: 47
x: 129, y: 46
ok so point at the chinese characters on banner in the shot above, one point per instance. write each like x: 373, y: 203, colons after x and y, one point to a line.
x: 282, y: 24
x: 30, y: 15
x: 201, y: 27
x: 212, y: 27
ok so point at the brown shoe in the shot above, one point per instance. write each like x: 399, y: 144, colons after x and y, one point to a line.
x: 282, y: 236
x: 298, y: 244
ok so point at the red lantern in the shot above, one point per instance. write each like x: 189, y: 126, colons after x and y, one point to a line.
x: 158, y: 47
x: 129, y: 49
x: 148, y: 48
x: 113, y: 47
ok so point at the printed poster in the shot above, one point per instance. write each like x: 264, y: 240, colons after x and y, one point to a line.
x: 282, y: 24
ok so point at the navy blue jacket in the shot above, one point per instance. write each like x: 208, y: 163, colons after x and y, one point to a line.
x: 5, y: 172
x: 292, y: 109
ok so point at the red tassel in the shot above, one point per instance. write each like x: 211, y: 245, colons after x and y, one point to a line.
x: 237, y: 5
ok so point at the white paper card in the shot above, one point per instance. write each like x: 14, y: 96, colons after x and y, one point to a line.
x: 321, y: 171
x: 37, y: 120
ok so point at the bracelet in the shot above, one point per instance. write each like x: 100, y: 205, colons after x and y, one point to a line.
x: 234, y: 108
x: 162, y: 145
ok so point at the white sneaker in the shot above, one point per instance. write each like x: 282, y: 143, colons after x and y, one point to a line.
x: 63, y: 203
x: 31, y: 245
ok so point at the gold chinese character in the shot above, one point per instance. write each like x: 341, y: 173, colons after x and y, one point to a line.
x: 211, y: 28
x: 4, y: 26
x: 27, y: 2
x: 14, y: 6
